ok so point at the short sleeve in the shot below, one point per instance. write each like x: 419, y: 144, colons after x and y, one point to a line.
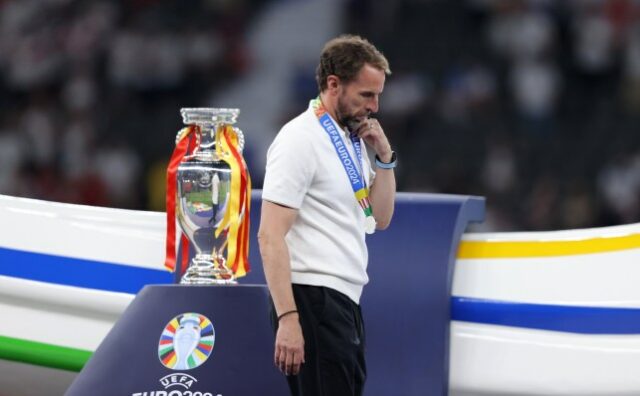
x: 291, y: 164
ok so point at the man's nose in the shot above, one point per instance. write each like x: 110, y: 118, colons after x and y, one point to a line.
x: 372, y: 105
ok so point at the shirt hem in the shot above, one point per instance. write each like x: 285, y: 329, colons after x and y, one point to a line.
x: 354, y: 292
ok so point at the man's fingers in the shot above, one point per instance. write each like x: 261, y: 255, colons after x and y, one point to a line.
x: 281, y: 356
x: 297, y: 361
x: 365, y: 133
x: 289, y: 363
x: 363, y: 128
x: 289, y: 348
x: 282, y: 366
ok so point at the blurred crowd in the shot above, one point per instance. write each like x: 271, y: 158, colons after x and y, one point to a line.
x: 531, y: 103
x: 90, y: 91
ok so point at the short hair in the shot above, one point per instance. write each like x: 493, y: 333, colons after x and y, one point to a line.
x: 344, y: 56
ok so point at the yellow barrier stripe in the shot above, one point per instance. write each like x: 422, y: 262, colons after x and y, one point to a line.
x: 521, y: 249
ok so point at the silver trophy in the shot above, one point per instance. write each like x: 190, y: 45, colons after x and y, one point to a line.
x: 203, y: 193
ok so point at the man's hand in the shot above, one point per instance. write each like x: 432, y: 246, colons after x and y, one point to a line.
x: 383, y: 190
x: 372, y: 133
x: 289, y: 350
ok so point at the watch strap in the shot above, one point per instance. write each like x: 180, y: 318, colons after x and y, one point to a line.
x: 387, y: 165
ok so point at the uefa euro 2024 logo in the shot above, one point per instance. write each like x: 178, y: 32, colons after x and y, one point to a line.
x: 186, y: 341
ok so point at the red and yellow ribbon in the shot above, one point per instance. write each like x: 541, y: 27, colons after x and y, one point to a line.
x: 185, y: 144
x: 236, y: 219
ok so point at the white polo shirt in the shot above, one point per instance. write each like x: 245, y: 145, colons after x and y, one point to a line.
x: 327, y: 240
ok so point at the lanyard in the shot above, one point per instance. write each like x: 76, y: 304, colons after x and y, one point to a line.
x: 354, y: 174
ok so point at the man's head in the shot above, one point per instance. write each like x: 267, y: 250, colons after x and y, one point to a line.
x: 351, y: 75
x: 344, y: 56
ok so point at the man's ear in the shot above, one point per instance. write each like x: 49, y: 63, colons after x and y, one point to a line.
x: 333, y: 84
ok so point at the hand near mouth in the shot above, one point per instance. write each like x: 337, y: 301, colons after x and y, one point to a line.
x: 373, y: 135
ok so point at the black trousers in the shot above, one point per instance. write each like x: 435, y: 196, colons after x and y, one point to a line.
x: 334, y: 343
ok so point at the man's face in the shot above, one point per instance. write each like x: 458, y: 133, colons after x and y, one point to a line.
x: 358, y: 99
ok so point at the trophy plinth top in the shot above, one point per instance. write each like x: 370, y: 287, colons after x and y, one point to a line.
x: 208, y: 115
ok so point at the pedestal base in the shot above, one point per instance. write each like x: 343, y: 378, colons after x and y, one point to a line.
x: 136, y: 355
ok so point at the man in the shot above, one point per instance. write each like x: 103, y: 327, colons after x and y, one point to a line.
x: 320, y: 195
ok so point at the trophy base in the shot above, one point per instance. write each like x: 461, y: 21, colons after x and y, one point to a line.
x: 205, y: 270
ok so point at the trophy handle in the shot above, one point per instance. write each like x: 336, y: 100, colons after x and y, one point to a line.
x: 237, y: 130
x: 240, y: 138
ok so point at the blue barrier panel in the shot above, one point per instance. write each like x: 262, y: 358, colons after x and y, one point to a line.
x: 406, y: 305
